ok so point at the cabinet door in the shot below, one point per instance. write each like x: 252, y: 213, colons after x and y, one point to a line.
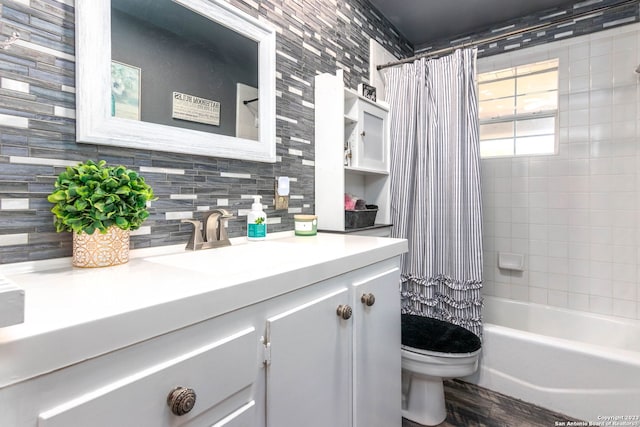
x: 372, y: 150
x: 308, y: 377
x: 376, y: 374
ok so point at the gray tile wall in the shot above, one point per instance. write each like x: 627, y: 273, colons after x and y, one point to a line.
x: 37, y: 126
x: 580, y: 18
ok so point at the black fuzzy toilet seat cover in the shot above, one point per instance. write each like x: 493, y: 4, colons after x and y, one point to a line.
x: 430, y: 334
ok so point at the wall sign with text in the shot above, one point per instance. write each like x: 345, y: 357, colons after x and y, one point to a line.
x: 195, y: 109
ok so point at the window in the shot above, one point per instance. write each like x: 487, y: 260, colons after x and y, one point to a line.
x: 518, y: 110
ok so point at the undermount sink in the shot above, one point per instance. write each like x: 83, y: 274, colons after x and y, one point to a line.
x: 231, y: 260
x: 11, y: 303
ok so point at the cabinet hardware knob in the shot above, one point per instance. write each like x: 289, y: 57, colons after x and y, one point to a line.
x: 363, y: 133
x: 344, y: 311
x: 181, y: 400
x: 368, y: 299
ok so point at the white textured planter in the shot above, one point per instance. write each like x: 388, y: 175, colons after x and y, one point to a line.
x: 101, y: 250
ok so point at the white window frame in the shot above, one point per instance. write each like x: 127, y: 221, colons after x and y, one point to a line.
x: 513, y: 118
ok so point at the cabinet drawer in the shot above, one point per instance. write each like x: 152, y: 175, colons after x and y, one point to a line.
x: 214, y: 371
x: 242, y: 417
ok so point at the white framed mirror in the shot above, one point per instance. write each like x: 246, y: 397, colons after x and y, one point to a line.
x: 97, y: 122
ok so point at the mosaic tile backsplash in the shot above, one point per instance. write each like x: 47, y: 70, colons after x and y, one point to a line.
x: 37, y: 111
x: 37, y: 126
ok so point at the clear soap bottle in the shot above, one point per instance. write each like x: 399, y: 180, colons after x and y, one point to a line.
x: 256, y: 221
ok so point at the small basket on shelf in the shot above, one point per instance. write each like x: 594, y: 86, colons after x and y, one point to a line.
x: 360, y: 218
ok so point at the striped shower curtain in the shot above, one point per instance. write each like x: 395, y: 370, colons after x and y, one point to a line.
x: 435, y: 186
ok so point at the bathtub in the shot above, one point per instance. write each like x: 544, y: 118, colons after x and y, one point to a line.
x: 582, y: 365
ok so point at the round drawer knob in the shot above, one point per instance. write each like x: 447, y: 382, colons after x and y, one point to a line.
x: 181, y: 400
x: 344, y: 311
x: 368, y: 299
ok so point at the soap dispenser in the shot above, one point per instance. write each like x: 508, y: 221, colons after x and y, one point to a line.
x: 256, y: 221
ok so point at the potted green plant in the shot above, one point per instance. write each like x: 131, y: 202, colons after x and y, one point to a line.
x: 100, y: 204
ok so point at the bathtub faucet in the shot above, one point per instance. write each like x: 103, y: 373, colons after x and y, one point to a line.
x: 213, y: 234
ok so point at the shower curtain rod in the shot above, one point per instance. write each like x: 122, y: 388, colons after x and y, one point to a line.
x: 507, y: 35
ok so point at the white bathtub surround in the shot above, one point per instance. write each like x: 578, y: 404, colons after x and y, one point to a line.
x: 574, y: 215
x: 580, y: 364
x: 435, y: 186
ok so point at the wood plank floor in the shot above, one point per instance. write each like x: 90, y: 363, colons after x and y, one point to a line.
x: 471, y: 406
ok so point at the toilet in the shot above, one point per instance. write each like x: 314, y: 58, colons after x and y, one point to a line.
x: 433, y: 350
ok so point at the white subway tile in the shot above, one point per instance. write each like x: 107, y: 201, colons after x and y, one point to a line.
x: 624, y: 254
x: 520, y: 246
x: 558, y: 233
x: 624, y: 272
x: 601, y: 80
x: 502, y: 244
x: 538, y: 184
x: 599, y: 270
x: 170, y: 171
x: 579, y: 234
x: 579, y: 251
x: 539, y: 279
x: 538, y: 216
x: 600, y: 305
x: 537, y: 295
x: 558, y: 298
x: 579, y: 117
x: 502, y: 290
x: 520, y: 231
x: 14, y: 204
x: 624, y: 42
x: 624, y: 308
x: 538, y: 247
x: 519, y: 293
x: 538, y: 263
x: 14, y: 121
x: 178, y: 215
x: 14, y: 239
x: 623, y: 236
x: 69, y: 113
x: 578, y: 302
x: 601, y: 64
x: 44, y: 49
x: 538, y: 231
x: 538, y: 200
x: 14, y: 85
x: 579, y: 151
x: 579, y: 100
x: 579, y: 268
x: 557, y: 265
x: 600, y: 46
x: 235, y: 175
x: 578, y: 217
x: 625, y: 290
x: 579, y: 83
x: 557, y: 216
x: 144, y: 230
x: 600, y: 253
x: 502, y: 229
x: 558, y: 250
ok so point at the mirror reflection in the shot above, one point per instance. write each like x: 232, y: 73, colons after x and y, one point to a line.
x: 172, y: 66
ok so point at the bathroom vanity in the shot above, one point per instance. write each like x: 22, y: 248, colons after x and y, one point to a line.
x: 286, y: 332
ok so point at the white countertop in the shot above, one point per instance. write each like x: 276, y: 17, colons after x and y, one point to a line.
x: 72, y: 314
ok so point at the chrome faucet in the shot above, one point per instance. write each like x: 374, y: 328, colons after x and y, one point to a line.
x: 213, y: 234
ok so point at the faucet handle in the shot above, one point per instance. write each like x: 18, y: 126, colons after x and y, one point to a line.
x: 223, y: 213
x: 196, y: 240
x: 222, y: 227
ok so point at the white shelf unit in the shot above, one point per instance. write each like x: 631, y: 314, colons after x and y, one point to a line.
x: 342, y: 119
